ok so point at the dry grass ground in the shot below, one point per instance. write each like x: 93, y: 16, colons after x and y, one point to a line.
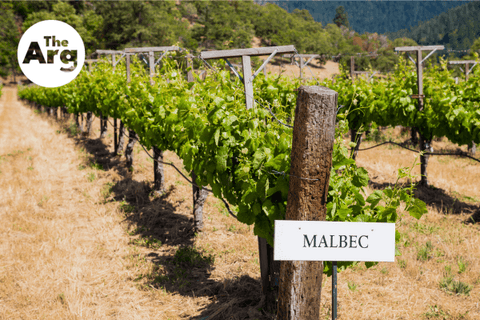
x: 83, y: 238
x: 316, y: 70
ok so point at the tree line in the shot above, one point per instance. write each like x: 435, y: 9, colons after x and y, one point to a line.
x: 199, y: 25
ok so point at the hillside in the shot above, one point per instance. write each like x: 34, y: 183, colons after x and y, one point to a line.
x: 197, y: 26
x: 455, y: 29
x: 374, y: 16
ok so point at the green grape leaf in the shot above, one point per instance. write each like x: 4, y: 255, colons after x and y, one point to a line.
x: 417, y: 209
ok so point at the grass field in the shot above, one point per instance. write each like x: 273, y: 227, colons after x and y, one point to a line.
x: 84, y: 238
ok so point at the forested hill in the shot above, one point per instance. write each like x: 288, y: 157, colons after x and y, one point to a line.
x: 196, y: 25
x: 204, y: 25
x: 373, y: 16
x: 455, y: 29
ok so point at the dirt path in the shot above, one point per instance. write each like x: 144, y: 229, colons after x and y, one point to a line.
x: 61, y: 254
x: 83, y: 238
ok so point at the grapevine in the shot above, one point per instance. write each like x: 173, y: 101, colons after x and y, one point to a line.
x: 242, y: 155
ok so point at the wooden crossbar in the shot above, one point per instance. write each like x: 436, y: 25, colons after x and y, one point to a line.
x: 108, y: 51
x: 467, y: 64
x: 245, y: 54
x: 303, y: 64
x: 462, y: 61
x: 302, y: 55
x: 422, y: 48
x: 236, y: 53
x: 151, y: 49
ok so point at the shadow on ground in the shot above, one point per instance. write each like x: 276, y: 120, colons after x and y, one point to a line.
x: 101, y: 153
x: 441, y: 201
x: 154, y: 221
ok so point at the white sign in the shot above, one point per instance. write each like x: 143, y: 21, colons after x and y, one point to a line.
x: 51, y: 53
x: 334, y: 241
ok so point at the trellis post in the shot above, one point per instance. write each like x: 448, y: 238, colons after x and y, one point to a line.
x: 303, y: 63
x: 472, y: 148
x: 311, y: 162
x: 159, y: 178
x: 268, y: 268
x: 352, y: 67
x: 424, y: 141
x: 104, y: 120
x: 467, y: 64
x: 199, y: 194
x: 245, y: 54
x: 89, y: 62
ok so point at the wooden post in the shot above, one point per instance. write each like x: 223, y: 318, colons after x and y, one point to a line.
x: 89, y: 123
x: 247, y: 81
x: 113, y: 62
x: 246, y: 65
x: 303, y: 63
x: 158, y: 173
x: 467, y: 66
x: 121, y: 130
x: 199, y: 194
x: 313, y: 139
x: 424, y: 141
x: 267, y: 265
x: 190, y: 72
x: 301, y: 67
x: 132, y: 136
x: 151, y: 63
x: 104, y: 120
x: 357, y: 139
x: 352, y: 67
x: 472, y: 147
x: 127, y: 65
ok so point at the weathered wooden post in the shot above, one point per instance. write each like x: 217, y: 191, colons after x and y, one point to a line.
x: 472, y: 147
x: 424, y: 141
x: 352, y: 67
x: 311, y: 162
x: 132, y: 136
x: 159, y: 185
x: 268, y: 267
x: 301, y: 67
x: 89, y: 113
x: 104, y: 120
x: 303, y: 63
x: 354, y: 135
x: 199, y: 194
